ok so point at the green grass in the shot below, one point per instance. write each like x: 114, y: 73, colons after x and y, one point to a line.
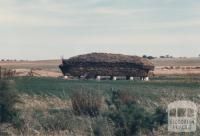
x: 159, y: 91
x: 153, y: 90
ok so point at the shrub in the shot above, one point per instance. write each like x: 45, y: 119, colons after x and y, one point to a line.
x: 8, y: 99
x: 122, y: 97
x: 160, y: 116
x: 86, y: 102
x: 101, y: 126
x: 130, y: 119
x: 148, y: 57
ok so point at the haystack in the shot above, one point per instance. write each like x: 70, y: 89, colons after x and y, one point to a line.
x: 106, y: 64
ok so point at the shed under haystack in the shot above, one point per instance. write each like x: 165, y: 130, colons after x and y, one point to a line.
x: 106, y: 64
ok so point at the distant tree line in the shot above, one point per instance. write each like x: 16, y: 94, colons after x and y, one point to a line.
x: 148, y: 57
x: 166, y: 56
x: 152, y: 57
x: 11, y: 60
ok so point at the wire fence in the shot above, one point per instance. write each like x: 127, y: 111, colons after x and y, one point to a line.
x: 7, y: 73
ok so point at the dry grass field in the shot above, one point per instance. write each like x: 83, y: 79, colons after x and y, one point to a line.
x: 177, y: 66
x: 49, y: 68
x: 51, y: 65
x: 43, y: 68
x: 193, y: 62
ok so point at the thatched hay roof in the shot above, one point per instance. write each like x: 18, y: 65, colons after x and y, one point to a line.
x: 110, y: 58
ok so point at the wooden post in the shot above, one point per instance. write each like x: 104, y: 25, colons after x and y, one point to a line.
x: 0, y: 72
x: 5, y: 73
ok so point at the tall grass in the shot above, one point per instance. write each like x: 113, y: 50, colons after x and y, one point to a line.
x: 8, y: 100
x: 86, y: 102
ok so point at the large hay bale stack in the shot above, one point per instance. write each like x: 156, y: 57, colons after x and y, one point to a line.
x: 105, y: 64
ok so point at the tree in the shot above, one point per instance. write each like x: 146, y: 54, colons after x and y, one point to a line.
x: 148, y: 57
x: 144, y: 56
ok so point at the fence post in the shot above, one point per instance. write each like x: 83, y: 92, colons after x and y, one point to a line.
x: 0, y: 72
x: 5, y: 73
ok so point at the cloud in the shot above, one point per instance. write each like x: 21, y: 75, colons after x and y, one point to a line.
x: 105, y: 25
x: 77, y: 13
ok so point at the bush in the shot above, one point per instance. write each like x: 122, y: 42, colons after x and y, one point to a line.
x: 131, y: 119
x: 101, y: 126
x: 128, y: 120
x: 160, y: 116
x: 148, y: 57
x: 86, y: 103
x: 8, y: 99
x: 122, y: 98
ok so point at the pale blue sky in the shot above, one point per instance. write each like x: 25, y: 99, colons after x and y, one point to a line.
x: 48, y: 29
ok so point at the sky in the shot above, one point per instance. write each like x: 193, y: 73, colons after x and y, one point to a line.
x: 49, y: 29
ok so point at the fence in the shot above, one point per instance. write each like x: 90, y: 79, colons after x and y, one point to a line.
x: 7, y: 73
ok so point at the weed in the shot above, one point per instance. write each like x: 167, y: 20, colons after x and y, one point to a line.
x: 86, y: 103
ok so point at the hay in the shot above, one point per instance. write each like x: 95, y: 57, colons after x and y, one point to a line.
x: 106, y: 64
